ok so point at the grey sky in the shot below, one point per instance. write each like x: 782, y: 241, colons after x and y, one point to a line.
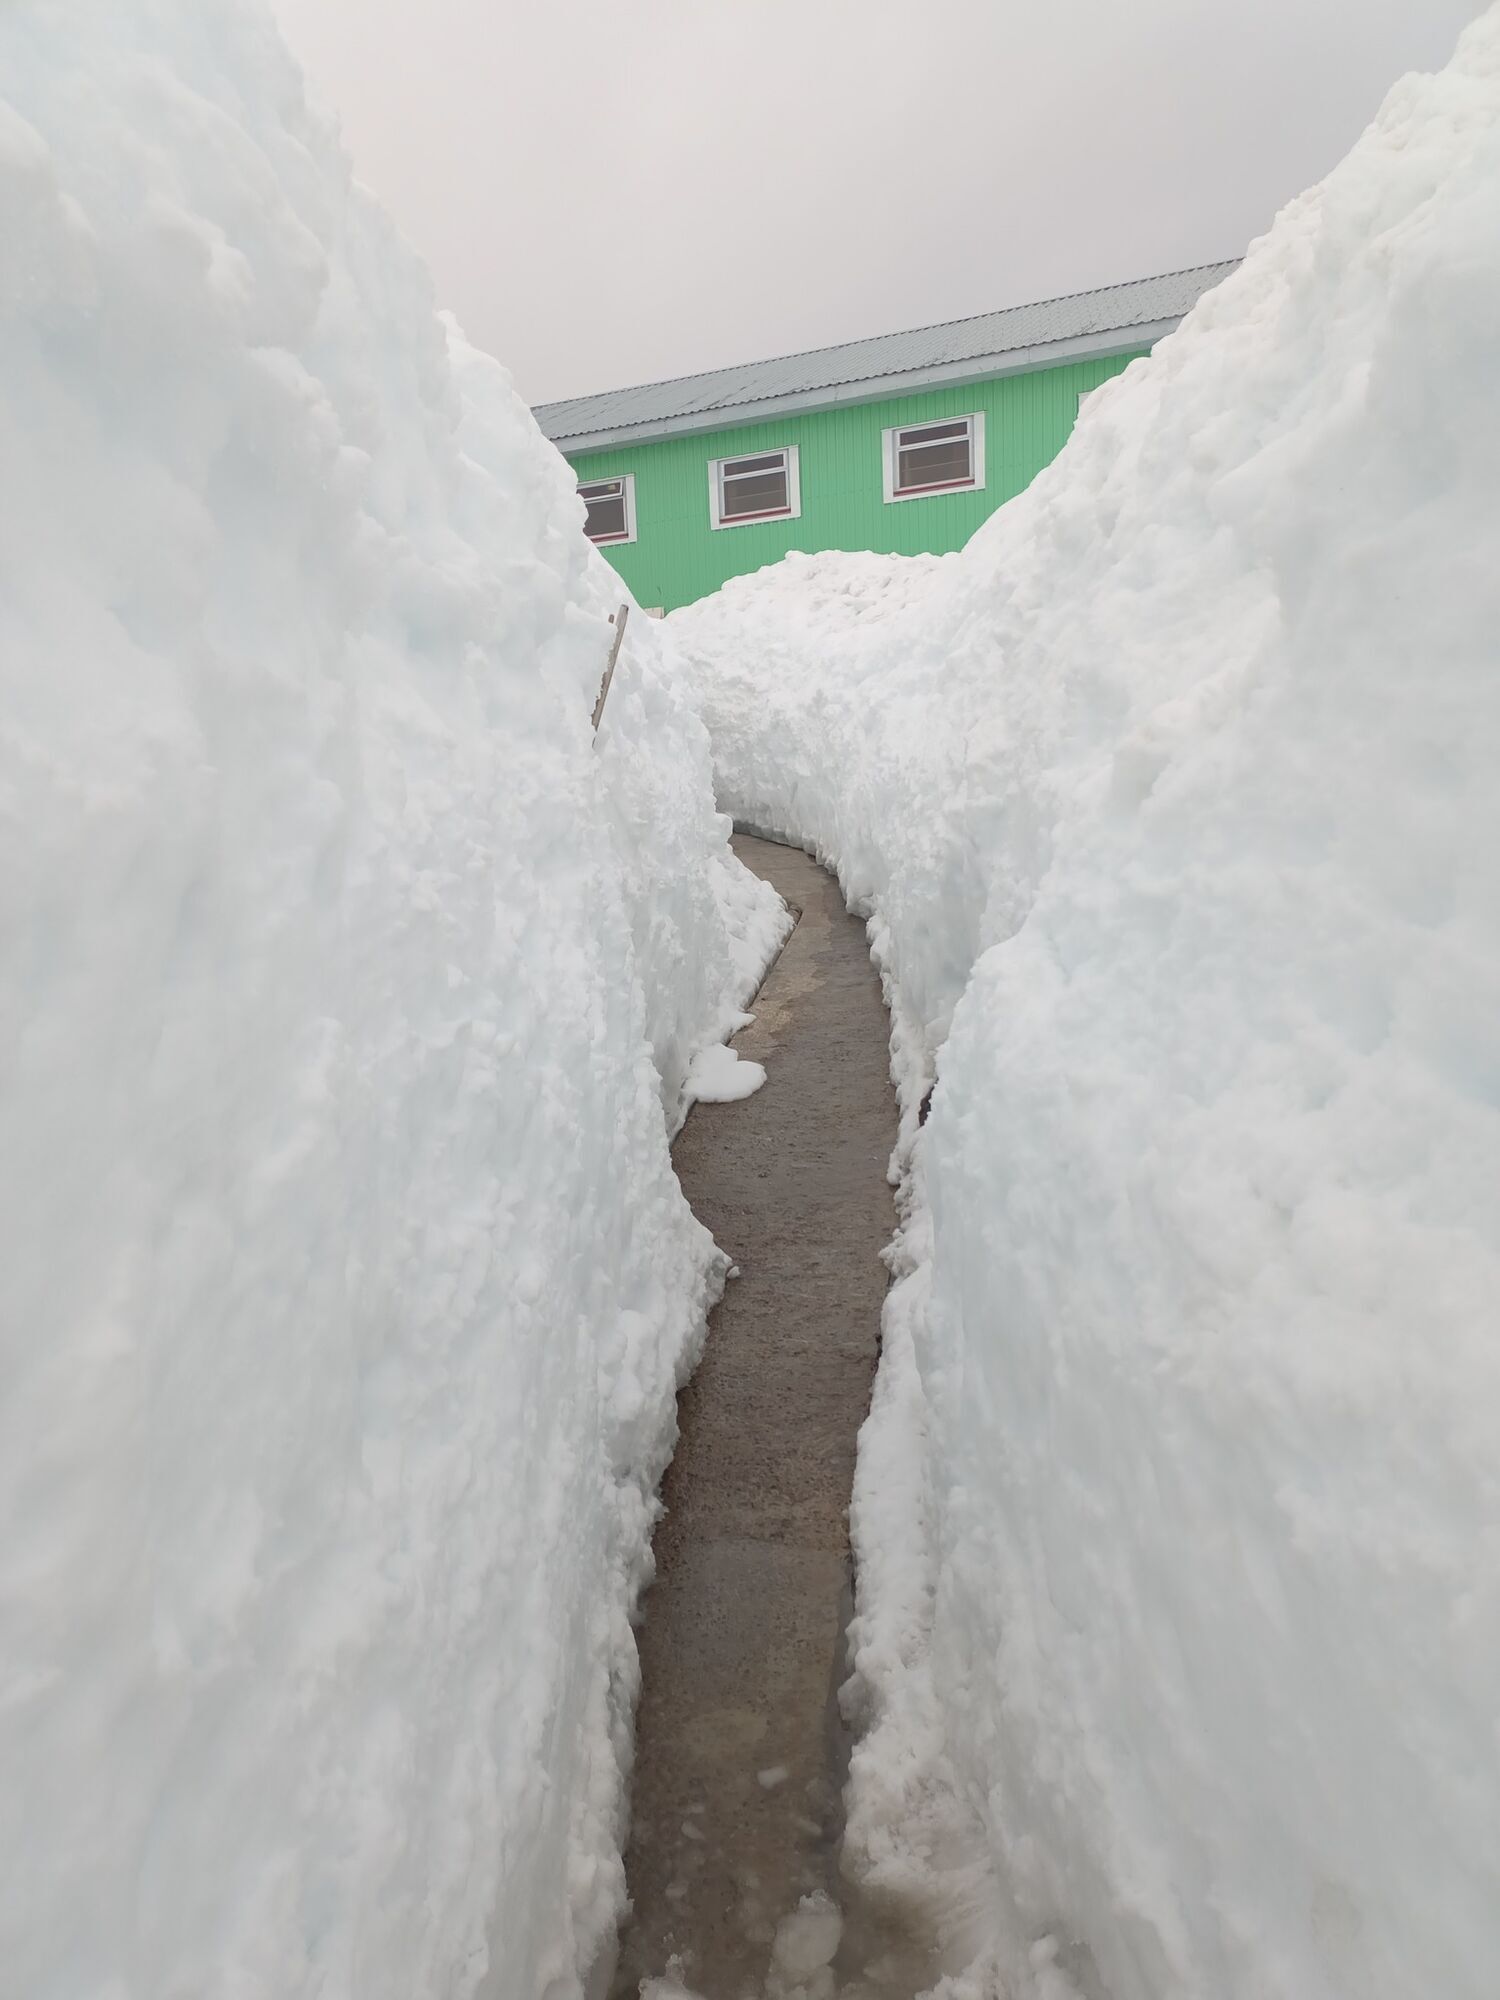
x: 611, y: 191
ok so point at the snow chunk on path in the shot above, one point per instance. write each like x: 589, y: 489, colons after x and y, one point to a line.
x: 720, y: 1076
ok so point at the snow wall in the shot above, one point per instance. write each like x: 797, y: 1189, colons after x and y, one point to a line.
x: 1173, y: 804
x: 345, y: 1283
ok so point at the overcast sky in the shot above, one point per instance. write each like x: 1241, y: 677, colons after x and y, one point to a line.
x: 611, y: 191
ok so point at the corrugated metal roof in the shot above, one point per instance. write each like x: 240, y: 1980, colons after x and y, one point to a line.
x: 1080, y: 324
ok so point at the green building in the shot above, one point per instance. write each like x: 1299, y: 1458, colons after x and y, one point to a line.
x: 903, y: 443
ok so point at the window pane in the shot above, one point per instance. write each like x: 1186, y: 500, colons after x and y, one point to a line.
x: 600, y: 489
x: 772, y: 461
x: 763, y: 493
x: 944, y: 464
x: 606, y: 515
x: 930, y: 433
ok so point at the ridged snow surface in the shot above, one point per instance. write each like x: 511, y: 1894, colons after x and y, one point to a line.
x: 345, y: 1283
x: 1173, y: 800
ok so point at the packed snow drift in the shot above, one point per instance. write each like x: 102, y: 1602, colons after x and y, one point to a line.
x: 1173, y: 804
x: 346, y: 982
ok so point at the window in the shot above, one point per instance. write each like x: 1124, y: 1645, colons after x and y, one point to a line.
x: 934, y: 458
x: 764, y: 487
x: 1084, y: 394
x: 611, y: 508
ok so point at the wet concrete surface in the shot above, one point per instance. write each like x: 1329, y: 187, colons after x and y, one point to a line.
x: 740, y: 1753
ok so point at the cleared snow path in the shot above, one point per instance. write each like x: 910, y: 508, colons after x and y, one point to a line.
x: 740, y: 1755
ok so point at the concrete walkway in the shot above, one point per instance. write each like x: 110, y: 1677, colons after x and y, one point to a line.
x: 740, y: 1757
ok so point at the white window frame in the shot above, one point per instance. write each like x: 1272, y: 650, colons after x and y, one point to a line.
x: 974, y: 419
x: 613, y: 541
x: 1083, y: 396
x: 791, y: 512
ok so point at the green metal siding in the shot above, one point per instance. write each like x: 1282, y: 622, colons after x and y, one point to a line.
x: 679, y: 556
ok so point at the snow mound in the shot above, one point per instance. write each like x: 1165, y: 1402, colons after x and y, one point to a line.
x: 346, y: 1284
x: 721, y: 1075
x: 1172, y: 802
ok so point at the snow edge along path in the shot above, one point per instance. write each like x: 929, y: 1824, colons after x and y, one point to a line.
x: 1170, y: 803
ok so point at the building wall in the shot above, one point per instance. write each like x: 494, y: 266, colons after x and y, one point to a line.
x: 678, y: 556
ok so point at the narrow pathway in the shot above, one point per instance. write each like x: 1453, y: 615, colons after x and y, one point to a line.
x: 740, y: 1757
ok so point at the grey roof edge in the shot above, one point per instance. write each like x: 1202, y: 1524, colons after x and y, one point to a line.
x: 874, y: 389
x: 1104, y: 320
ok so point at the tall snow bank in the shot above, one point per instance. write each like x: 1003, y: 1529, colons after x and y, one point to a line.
x: 1173, y: 801
x: 345, y: 1282
x: 691, y: 902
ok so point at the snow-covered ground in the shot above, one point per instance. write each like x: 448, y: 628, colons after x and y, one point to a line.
x: 344, y: 1282
x: 1173, y: 802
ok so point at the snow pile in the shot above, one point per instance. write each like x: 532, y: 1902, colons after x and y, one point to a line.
x: 1173, y: 802
x: 345, y: 1283
x: 690, y: 900
x: 721, y: 1075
